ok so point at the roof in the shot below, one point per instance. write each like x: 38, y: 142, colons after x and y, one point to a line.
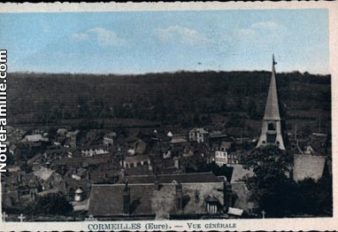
x: 226, y: 144
x: 272, y: 107
x: 235, y: 211
x: 43, y: 173
x: 136, y: 158
x: 178, y: 139
x: 200, y: 130
x: 242, y: 199
x: 72, y: 133
x: 139, y: 170
x: 79, y: 190
x: 61, y: 131
x: 199, y: 177
x: 216, y: 135
x: 78, y: 161
x: 106, y: 200
x: 35, y: 138
x: 308, y: 166
x: 239, y: 172
x: 211, y: 199
x: 80, y: 206
x: 145, y: 199
x: 110, y: 135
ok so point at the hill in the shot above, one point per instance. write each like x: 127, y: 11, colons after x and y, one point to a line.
x: 186, y: 99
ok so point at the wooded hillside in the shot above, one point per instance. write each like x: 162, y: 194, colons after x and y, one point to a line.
x: 184, y: 98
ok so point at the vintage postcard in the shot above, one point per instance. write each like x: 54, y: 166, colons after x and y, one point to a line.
x: 168, y: 116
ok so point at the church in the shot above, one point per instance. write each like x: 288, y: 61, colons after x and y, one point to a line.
x: 271, y: 132
x: 305, y: 164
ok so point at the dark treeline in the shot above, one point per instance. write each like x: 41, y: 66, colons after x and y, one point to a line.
x: 189, y: 98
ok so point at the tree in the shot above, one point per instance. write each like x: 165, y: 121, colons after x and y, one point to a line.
x: 269, y: 158
x: 314, y: 198
x: 51, y: 204
x: 271, y: 186
x: 252, y: 109
x: 275, y: 191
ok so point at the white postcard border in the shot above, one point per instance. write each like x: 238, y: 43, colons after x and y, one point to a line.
x: 180, y: 225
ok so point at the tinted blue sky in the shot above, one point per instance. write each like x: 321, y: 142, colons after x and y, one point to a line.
x: 139, y: 42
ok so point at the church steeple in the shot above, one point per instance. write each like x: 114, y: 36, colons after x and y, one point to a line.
x: 272, y: 107
x: 271, y: 128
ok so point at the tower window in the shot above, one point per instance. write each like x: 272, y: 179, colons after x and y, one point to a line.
x: 271, y: 126
x: 271, y: 138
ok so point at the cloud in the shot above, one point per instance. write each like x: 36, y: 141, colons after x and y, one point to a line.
x: 104, y: 37
x: 80, y: 36
x: 260, y: 30
x: 182, y: 35
x: 246, y: 33
x: 267, y: 25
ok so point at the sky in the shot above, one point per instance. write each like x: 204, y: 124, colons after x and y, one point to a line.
x: 150, y: 41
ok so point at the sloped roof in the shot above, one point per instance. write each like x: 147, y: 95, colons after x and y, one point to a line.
x: 200, y: 130
x: 272, y: 107
x: 239, y: 172
x: 107, y: 200
x: 43, y: 173
x: 35, y: 138
x: 308, y: 166
x: 178, y: 139
x: 80, y: 206
x: 136, y: 158
x: 235, y: 211
x: 201, y: 177
x: 242, y: 196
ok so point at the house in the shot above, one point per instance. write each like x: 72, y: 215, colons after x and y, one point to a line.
x: 83, y: 161
x: 108, y: 139
x: 319, y: 141
x: 167, y: 154
x: 34, y: 138
x: 235, y: 211
x: 239, y: 172
x: 308, y: 166
x: 178, y: 139
x: 136, y: 146
x: 72, y: 138
x: 160, y: 197
x: 221, y: 158
x: 49, y: 179
x: 222, y: 152
x: 94, y: 150
x: 198, y: 135
x: 61, y: 132
x: 217, y: 135
x: 135, y: 161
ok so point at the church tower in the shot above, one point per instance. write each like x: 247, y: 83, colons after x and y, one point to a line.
x: 271, y: 133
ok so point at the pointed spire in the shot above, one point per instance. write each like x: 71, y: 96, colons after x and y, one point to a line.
x: 271, y: 128
x: 273, y: 60
x: 272, y: 107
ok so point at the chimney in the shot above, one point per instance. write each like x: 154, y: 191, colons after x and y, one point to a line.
x: 157, y: 184
x: 179, y: 197
x: 126, y: 199
x: 197, y: 196
x: 177, y: 162
x: 228, y: 195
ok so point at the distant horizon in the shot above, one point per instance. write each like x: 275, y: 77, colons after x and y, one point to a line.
x: 163, y: 72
